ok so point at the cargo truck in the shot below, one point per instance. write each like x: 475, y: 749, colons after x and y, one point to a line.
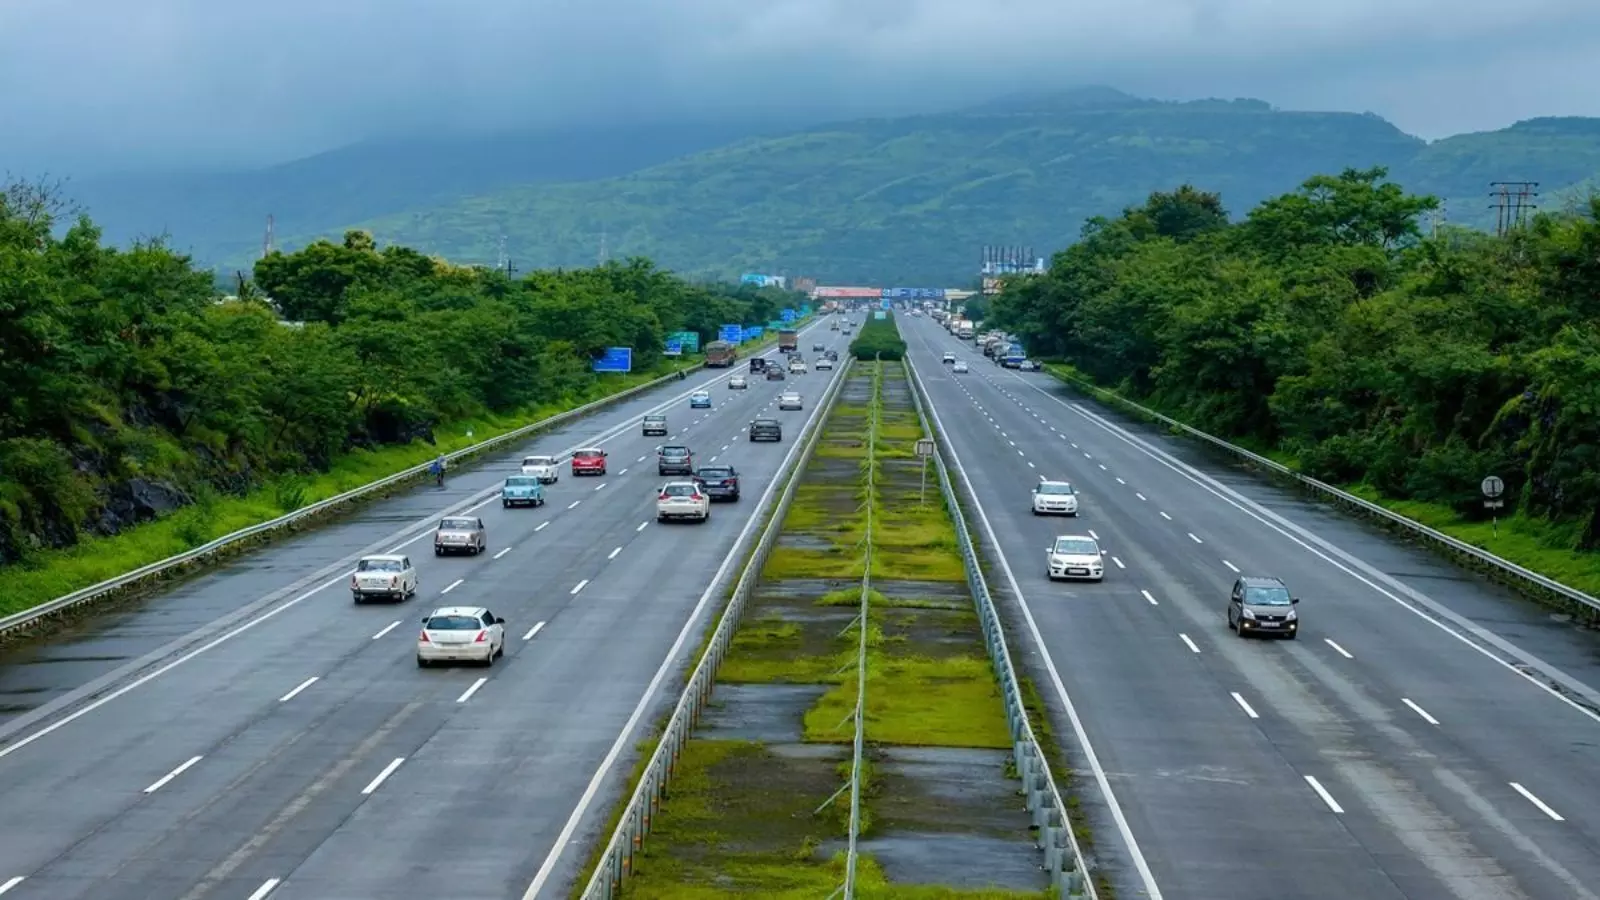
x: 720, y: 355
x: 788, y: 339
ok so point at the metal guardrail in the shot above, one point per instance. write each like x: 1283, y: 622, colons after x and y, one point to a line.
x: 616, y: 862
x: 157, y: 570
x: 1502, y: 566
x: 1063, y: 856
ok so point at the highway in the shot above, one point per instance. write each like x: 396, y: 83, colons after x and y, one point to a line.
x: 267, y: 737
x: 1428, y: 735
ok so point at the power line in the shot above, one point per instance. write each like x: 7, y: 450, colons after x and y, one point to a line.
x: 1513, y: 200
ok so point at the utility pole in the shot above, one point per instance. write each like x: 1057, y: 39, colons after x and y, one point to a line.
x: 511, y: 267
x: 266, y: 239
x: 500, y: 258
x: 1513, y: 200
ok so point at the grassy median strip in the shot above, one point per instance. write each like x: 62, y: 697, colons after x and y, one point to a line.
x: 754, y: 807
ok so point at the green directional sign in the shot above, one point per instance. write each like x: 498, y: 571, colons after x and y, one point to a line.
x: 688, y: 340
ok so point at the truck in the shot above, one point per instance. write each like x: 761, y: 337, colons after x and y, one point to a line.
x: 1014, y: 357
x: 720, y: 354
x: 788, y: 339
x: 964, y: 331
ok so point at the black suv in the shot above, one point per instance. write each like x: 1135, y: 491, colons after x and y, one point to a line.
x: 766, y: 430
x: 757, y: 363
x: 655, y: 425
x: 719, y: 482
x: 674, y: 461
x: 1261, y: 605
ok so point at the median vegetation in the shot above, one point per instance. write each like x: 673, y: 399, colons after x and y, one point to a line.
x: 759, y: 804
x: 878, y: 338
x: 1335, y: 330
x: 147, y: 412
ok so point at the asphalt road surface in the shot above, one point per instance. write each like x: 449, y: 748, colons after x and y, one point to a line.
x: 1428, y: 735
x: 273, y: 739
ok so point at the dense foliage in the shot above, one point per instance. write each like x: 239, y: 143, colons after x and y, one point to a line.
x: 131, y: 386
x: 1326, y: 325
x: 878, y: 338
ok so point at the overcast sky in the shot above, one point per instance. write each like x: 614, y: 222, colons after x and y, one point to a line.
x: 226, y: 81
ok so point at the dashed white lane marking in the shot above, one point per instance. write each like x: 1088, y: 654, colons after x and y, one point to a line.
x: 1340, y: 650
x: 542, y: 526
x: 580, y: 585
x: 574, y: 504
x: 641, y: 526
x: 1093, y: 535
x: 1120, y: 481
x: 467, y: 694
x: 502, y: 553
x: 1032, y: 466
x: 1102, y: 467
x: 266, y: 888
x: 1543, y: 807
x: 614, y: 553
x: 1020, y: 453
x: 1189, y: 643
x: 537, y: 626
x: 300, y: 687
x: 1165, y: 516
x: 1140, y: 496
x: 387, y: 628
x: 639, y: 460
x: 1323, y: 793
x: 713, y: 459
x: 1244, y: 705
x: 1419, y: 711
x: 622, y: 471
x: 452, y: 586
x: 1195, y: 539
x: 600, y: 486
x: 383, y: 776
x: 165, y: 779
x: 1118, y: 562
x: 1231, y: 566
x: 1150, y: 598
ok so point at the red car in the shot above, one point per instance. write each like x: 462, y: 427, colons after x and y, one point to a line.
x: 591, y: 461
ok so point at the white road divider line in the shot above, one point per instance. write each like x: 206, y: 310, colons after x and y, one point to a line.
x: 1150, y: 598
x: 614, y: 553
x: 383, y: 776
x: 642, y: 526
x: 640, y: 459
x: 601, y: 486
x: 1197, y: 540
x: 1140, y: 496
x: 580, y: 586
x: 1323, y: 793
x: 387, y: 628
x: 502, y: 553
x: 1165, y: 516
x: 1419, y: 711
x: 1120, y: 481
x: 1231, y: 566
x: 1118, y: 562
x: 542, y: 526
x: 537, y: 627
x: 1338, y: 649
x: 622, y: 471
x: 1020, y: 453
x: 1243, y: 704
x: 574, y: 504
x: 1032, y: 466
x: 1188, y: 642
x: 165, y: 779
x: 452, y: 586
x: 467, y: 694
x: 1543, y: 807
x: 1102, y: 467
x: 1093, y: 535
x: 266, y: 888
x: 300, y: 687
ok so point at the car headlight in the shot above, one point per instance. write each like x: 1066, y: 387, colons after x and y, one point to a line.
x: 1291, y: 616
x: 1246, y: 614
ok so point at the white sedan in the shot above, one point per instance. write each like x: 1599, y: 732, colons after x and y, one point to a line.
x: 1055, y: 497
x: 1075, y: 556
x: 789, y: 400
x: 544, y: 468
x: 738, y: 383
x: 682, y: 500
x: 461, y: 634
x: 960, y: 366
x: 824, y: 365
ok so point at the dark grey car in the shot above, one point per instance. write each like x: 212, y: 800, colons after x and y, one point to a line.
x: 1262, y: 605
x: 719, y: 482
x: 766, y: 430
x: 674, y: 461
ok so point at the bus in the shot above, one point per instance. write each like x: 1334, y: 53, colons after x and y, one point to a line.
x: 720, y: 354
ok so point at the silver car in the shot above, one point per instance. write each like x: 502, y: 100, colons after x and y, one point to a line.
x: 460, y: 534
x: 789, y: 400
x: 461, y: 634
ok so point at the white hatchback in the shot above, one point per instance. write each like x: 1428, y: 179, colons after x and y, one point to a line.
x: 738, y: 383
x: 960, y: 366
x: 682, y: 500
x: 1075, y: 556
x: 1055, y: 498
x: 544, y: 468
x: 461, y: 634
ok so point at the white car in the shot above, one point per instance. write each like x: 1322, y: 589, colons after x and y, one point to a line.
x: 1075, y: 556
x: 949, y: 358
x: 544, y: 468
x: 789, y: 400
x: 738, y: 383
x: 797, y: 367
x: 387, y: 576
x: 682, y: 500
x: 960, y: 366
x: 1055, y: 497
x: 824, y: 364
x: 461, y: 634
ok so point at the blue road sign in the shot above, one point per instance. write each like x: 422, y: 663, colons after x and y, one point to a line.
x: 753, y: 333
x: 733, y: 334
x: 616, y: 359
x: 901, y: 293
x: 674, y: 347
x: 788, y: 315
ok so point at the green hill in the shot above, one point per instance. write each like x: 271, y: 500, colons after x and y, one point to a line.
x: 913, y: 199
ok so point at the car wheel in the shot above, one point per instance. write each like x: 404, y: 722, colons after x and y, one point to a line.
x: 505, y: 504
x: 438, y: 551
x: 355, y: 598
x: 488, y: 661
x: 422, y: 663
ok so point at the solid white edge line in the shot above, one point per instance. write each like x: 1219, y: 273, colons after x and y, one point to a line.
x: 537, y: 627
x: 1419, y: 711
x: 1152, y: 890
x: 467, y: 694
x: 1188, y: 642
x: 1243, y: 704
x: 1338, y: 649
x: 383, y: 776
x: 580, y: 585
x: 266, y: 888
x: 300, y: 687
x: 388, y: 628
x: 625, y: 736
x: 1323, y: 793
x: 1543, y: 807
x: 167, y: 778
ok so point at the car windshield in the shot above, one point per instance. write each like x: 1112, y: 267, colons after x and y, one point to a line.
x: 379, y: 565
x: 655, y: 418
x: 674, y: 451
x: 1273, y: 596
x: 457, y: 525
x: 453, y: 623
x: 1059, y: 488
x: 765, y: 423
x: 521, y: 481
x: 1077, y: 547
x: 715, y: 472
x: 679, y: 490
x: 586, y: 454
x: 537, y: 461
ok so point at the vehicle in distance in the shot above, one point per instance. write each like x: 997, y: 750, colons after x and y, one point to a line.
x: 522, y: 490
x: 758, y: 363
x: 653, y: 425
x: 797, y: 367
x: 766, y: 430
x: 789, y: 400
x: 824, y: 365
x: 682, y: 500
x: 774, y: 373
x: 738, y: 383
x: 1262, y: 605
x: 589, y: 461
x: 818, y: 348
x: 1075, y: 556
x: 461, y: 634
x: 718, y: 482
x: 1028, y: 365
x: 788, y: 339
x: 674, y: 460
x: 949, y: 358
x: 1055, y: 498
x: 960, y: 366
x: 700, y: 400
x: 460, y: 534
x: 721, y: 354
x: 544, y: 468
x: 387, y: 576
